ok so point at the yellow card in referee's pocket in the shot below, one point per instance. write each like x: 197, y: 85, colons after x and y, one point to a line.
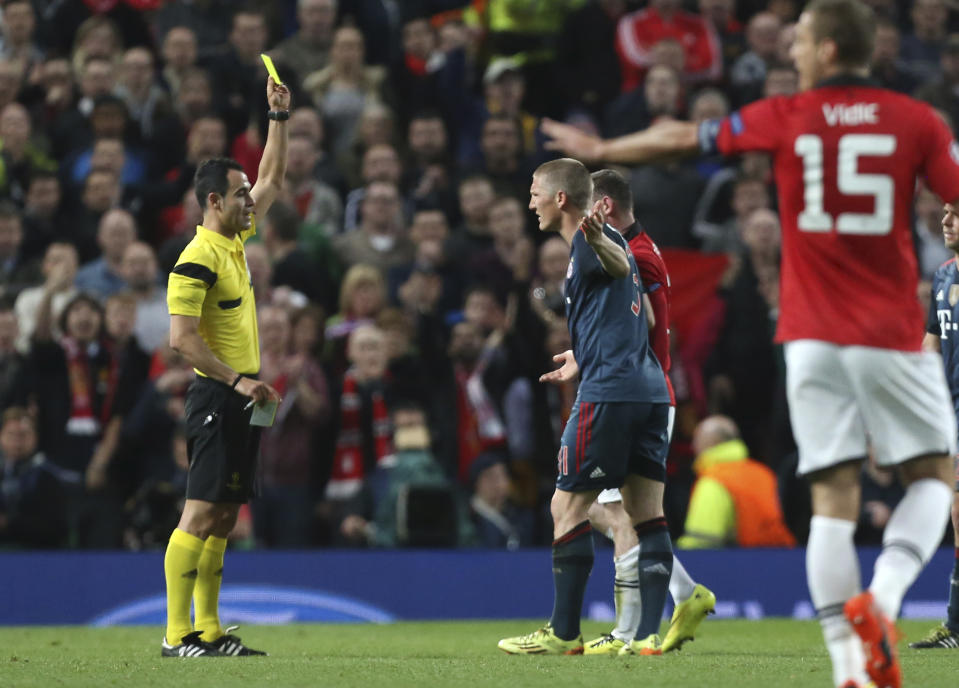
x: 271, y: 69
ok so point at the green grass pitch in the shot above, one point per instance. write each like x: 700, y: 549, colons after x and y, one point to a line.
x: 744, y: 654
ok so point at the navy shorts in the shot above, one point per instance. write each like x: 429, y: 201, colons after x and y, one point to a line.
x: 604, y: 442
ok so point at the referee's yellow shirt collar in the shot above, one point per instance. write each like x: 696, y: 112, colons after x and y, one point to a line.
x: 216, y: 239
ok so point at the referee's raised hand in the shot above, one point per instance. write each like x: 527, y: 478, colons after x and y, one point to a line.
x: 258, y: 391
x: 277, y: 95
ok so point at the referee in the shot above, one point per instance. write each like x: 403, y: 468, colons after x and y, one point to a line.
x: 213, y: 324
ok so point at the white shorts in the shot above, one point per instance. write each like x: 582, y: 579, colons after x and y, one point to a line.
x: 846, y: 400
x: 613, y: 495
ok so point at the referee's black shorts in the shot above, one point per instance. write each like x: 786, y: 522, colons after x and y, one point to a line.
x: 221, y: 443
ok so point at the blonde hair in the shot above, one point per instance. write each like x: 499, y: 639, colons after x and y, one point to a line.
x: 357, y: 276
x: 570, y: 176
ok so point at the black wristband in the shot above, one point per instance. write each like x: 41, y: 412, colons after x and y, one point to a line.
x: 236, y: 381
x: 278, y: 115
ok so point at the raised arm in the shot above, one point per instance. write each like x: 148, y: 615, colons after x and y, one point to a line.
x: 269, y: 176
x: 664, y: 139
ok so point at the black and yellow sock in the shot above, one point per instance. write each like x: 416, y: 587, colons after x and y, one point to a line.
x: 572, y: 562
x: 206, y: 594
x: 180, y: 567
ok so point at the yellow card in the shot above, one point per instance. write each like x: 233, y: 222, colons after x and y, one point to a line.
x: 271, y: 69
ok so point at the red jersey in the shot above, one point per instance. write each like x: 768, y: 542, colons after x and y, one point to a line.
x: 652, y: 272
x: 846, y: 157
x: 637, y: 33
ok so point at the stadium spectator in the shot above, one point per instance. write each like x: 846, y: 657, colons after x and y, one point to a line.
x: 293, y: 266
x: 921, y: 49
x: 364, y: 432
x: 503, y: 161
x: 14, y: 372
x: 316, y: 202
x: 59, y: 274
x: 381, y: 163
x: 940, y: 90
x: 140, y: 272
x: 721, y: 14
x: 283, y: 509
x: 500, y: 523
x: 308, y: 50
x: 887, y: 65
x: 42, y: 216
x: 744, y: 376
x: 146, y: 101
x: 18, y: 36
x: 362, y: 297
x: 547, y: 295
x: 588, y: 59
x: 475, y: 194
x: 735, y: 501
x: 429, y: 171
x: 72, y: 128
x: 236, y: 74
x: 31, y: 496
x: 380, y: 239
x: 103, y: 276
x: 305, y: 122
x: 75, y: 384
x: 16, y: 272
x: 659, y: 95
x: 179, y: 52
x: 409, y: 501
x: 639, y: 31
x: 20, y: 159
x: 342, y: 89
x: 749, y: 71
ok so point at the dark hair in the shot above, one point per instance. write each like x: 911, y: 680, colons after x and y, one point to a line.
x: 19, y: 413
x: 611, y: 183
x: 284, y: 221
x: 210, y: 178
x: 38, y: 174
x: 850, y: 24
x: 9, y: 210
x: 89, y: 300
x: 427, y: 113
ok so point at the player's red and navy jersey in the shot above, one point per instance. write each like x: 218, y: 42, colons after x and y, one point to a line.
x: 607, y: 324
x: 846, y: 156
x: 652, y: 272
x: 943, y: 321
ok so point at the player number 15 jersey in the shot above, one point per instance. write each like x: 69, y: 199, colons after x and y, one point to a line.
x: 846, y: 158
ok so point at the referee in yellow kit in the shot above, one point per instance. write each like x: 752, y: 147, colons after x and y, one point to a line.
x: 213, y: 324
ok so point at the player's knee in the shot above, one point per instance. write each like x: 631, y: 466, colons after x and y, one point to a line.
x: 955, y: 514
x: 596, y: 513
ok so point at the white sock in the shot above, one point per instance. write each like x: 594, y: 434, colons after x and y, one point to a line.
x: 832, y: 571
x: 681, y: 584
x: 626, y: 594
x: 912, y: 535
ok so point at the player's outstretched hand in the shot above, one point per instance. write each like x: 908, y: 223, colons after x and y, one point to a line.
x: 572, y: 141
x: 566, y: 372
x: 277, y: 95
x: 592, y: 224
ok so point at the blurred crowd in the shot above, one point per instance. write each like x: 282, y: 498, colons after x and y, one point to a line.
x: 407, y: 305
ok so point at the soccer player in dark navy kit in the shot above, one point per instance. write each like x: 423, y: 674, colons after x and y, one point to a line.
x: 942, y: 335
x: 616, y: 435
